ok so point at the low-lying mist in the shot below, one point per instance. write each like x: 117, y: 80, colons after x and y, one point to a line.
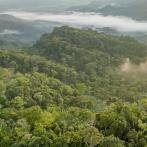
x: 9, y: 32
x: 132, y: 69
x: 119, y: 23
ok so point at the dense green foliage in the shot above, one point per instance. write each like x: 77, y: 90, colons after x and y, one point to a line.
x: 67, y: 91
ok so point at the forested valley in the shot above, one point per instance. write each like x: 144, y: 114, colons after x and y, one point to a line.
x: 74, y: 88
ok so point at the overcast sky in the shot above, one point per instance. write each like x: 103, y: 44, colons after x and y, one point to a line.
x: 54, y: 4
x: 40, y: 5
x: 42, y: 2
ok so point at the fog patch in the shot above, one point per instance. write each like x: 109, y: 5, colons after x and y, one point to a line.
x: 130, y: 68
x: 119, y: 23
x: 9, y: 32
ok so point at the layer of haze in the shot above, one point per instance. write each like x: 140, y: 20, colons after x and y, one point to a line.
x: 130, y: 68
x: 40, y: 5
x: 122, y: 24
x: 9, y: 32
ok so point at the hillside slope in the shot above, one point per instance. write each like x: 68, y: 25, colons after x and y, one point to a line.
x: 69, y: 90
x: 15, y: 30
x: 95, y: 56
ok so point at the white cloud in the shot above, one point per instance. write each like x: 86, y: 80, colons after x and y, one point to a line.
x: 133, y: 69
x: 122, y: 24
x: 9, y: 32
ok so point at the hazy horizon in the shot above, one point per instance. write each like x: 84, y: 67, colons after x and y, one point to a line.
x: 78, y: 19
x: 40, y: 16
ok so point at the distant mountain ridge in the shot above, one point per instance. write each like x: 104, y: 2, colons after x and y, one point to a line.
x: 15, y: 30
x: 134, y: 9
x: 40, y: 5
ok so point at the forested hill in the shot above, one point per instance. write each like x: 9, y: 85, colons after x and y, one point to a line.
x: 75, y: 47
x: 96, y: 57
x: 68, y: 90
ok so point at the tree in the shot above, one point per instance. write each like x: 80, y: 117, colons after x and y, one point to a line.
x: 111, y: 141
